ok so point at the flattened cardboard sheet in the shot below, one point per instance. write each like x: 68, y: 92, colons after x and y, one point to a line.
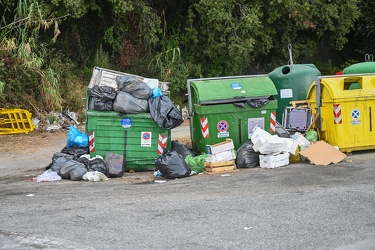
x: 321, y: 153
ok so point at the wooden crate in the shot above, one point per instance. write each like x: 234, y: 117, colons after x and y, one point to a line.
x: 220, y: 167
x: 219, y: 164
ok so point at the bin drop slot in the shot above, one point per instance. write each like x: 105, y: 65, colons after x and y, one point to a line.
x: 233, y: 100
x: 239, y: 131
x: 370, y: 120
x: 351, y: 83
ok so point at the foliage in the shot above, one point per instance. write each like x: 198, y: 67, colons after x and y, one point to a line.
x: 101, y: 58
x: 48, y: 48
x: 25, y: 53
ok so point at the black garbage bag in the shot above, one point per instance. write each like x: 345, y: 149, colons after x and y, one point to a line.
x: 164, y: 112
x: 128, y: 104
x: 258, y: 103
x: 101, y: 98
x: 84, y: 160
x: 75, y: 151
x: 73, y: 170
x: 172, y: 165
x: 116, y: 165
x: 58, y: 160
x: 134, y: 86
x: 104, y: 92
x: 182, y: 149
x: 98, y: 164
x: 97, y: 103
x: 246, y: 157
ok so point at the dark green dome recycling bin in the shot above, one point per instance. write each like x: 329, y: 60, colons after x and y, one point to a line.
x: 292, y: 83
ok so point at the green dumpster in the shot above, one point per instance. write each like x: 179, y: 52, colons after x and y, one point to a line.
x: 135, y: 136
x: 229, y: 107
x: 292, y: 83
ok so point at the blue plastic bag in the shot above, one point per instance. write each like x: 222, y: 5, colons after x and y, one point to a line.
x: 76, y: 138
x: 156, y: 92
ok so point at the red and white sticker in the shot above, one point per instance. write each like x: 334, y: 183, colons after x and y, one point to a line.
x: 162, y: 143
x: 91, y: 141
x: 204, y: 128
x: 273, y: 122
x: 222, y: 127
x: 337, y: 114
x: 146, y: 139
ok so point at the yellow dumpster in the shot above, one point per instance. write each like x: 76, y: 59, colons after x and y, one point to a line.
x: 346, y: 108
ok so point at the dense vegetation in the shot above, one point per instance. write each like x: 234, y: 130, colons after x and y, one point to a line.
x: 49, y: 47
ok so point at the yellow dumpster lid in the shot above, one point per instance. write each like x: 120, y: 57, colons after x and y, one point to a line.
x: 345, y: 87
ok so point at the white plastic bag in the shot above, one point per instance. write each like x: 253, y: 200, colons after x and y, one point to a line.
x: 48, y: 175
x: 94, y: 176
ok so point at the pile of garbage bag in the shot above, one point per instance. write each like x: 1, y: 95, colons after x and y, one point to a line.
x: 133, y: 96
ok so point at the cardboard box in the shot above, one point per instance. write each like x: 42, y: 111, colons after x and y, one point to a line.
x: 321, y: 153
x: 257, y: 134
x: 223, y: 156
x: 270, y: 144
x: 274, y: 161
x: 291, y: 145
x: 220, y: 147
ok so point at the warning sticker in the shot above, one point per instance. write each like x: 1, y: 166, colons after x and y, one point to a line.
x: 222, y: 126
x: 355, y: 114
x: 146, y: 139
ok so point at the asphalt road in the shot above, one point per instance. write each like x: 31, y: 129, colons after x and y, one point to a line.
x: 299, y: 206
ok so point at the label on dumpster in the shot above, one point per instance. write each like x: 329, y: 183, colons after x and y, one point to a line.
x: 146, y: 139
x: 126, y: 123
x: 286, y: 93
x: 355, y: 122
x: 222, y: 134
x: 236, y: 85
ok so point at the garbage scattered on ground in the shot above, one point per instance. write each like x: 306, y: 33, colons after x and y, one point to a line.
x: 172, y: 165
x: 330, y: 155
x: 48, y: 175
x: 94, y: 176
x: 221, y: 158
x: 129, y: 94
x: 274, y: 161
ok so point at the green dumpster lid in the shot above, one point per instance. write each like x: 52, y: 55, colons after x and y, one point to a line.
x: 230, y: 90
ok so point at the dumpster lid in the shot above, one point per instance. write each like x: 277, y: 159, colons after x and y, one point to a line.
x: 236, y: 89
